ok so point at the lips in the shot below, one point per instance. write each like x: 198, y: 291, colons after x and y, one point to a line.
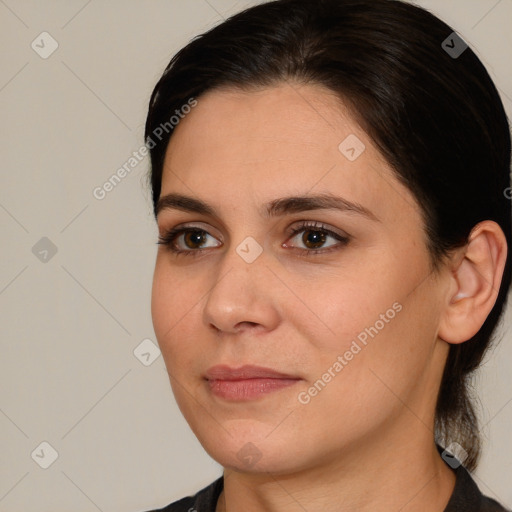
x: 247, y: 382
x: 224, y: 372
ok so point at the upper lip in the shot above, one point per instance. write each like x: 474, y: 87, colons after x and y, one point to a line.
x: 224, y: 372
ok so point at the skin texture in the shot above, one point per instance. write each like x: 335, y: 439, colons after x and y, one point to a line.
x: 365, y: 441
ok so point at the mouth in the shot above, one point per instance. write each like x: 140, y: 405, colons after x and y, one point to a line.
x: 247, y: 382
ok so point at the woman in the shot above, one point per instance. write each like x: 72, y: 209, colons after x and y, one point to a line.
x: 329, y: 185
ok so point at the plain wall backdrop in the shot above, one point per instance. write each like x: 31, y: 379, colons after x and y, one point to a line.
x: 79, y: 366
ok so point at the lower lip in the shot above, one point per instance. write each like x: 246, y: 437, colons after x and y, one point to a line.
x: 248, y: 389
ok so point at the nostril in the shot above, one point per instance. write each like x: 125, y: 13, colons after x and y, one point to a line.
x: 243, y: 326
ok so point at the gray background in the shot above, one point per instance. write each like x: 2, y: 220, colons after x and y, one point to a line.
x: 72, y: 320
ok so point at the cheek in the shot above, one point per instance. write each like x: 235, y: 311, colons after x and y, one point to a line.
x: 174, y: 300
x: 347, y: 301
x: 374, y: 316
x: 387, y: 354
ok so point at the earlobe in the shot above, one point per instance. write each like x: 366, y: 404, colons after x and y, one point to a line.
x: 474, y: 283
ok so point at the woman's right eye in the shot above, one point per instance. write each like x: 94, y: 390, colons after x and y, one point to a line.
x: 186, y: 240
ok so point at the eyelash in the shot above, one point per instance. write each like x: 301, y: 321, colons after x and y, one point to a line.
x: 170, y: 236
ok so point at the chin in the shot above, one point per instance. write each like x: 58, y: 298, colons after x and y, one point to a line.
x: 256, y: 453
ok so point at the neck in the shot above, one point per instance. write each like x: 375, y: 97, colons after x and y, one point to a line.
x: 410, y: 477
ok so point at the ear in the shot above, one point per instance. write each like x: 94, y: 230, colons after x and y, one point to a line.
x: 476, y: 271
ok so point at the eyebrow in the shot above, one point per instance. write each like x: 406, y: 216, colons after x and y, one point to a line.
x: 275, y: 208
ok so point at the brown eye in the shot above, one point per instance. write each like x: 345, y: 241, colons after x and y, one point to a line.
x: 193, y: 239
x: 313, y: 239
x: 188, y: 240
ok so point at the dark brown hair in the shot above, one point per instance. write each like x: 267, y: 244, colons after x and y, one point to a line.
x: 436, y: 117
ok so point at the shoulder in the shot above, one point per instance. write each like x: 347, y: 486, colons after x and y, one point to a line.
x: 467, y: 497
x: 203, y: 501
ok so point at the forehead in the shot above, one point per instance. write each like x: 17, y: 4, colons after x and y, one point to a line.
x: 279, y: 120
x: 288, y: 139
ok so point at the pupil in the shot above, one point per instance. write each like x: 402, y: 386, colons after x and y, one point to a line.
x: 193, y: 238
x: 313, y: 239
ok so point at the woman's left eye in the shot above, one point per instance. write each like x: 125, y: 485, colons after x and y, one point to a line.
x: 314, y: 236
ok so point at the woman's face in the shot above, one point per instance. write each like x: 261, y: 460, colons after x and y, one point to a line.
x: 337, y: 297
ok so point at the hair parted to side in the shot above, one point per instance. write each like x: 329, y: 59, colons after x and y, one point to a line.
x: 438, y: 121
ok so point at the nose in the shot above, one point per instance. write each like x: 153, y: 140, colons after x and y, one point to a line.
x: 243, y: 297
